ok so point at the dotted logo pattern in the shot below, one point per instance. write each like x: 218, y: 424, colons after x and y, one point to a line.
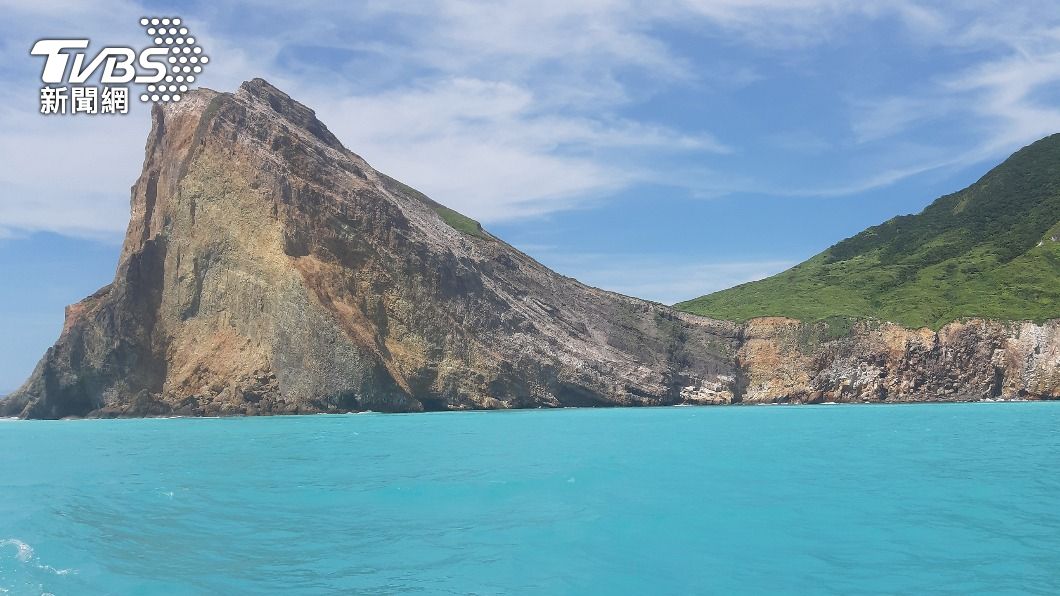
x: 185, y: 60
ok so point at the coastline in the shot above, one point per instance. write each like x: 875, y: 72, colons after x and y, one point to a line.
x: 789, y: 404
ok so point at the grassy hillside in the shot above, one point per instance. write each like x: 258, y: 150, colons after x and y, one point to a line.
x: 991, y: 250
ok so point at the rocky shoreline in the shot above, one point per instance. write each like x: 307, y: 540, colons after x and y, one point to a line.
x: 778, y: 361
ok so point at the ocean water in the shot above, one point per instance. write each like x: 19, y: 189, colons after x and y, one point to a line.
x: 915, y: 499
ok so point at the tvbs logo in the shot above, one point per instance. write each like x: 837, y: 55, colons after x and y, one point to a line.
x: 165, y: 69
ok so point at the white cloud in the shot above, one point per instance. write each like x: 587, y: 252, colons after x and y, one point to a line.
x: 1001, y: 100
x: 1003, y: 93
x: 486, y: 148
x: 526, y: 137
x: 69, y: 175
x: 878, y: 119
x: 509, y: 109
x: 663, y: 278
x: 669, y: 283
x: 543, y: 82
x: 64, y: 174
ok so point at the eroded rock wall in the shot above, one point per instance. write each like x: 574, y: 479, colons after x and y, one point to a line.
x: 782, y: 360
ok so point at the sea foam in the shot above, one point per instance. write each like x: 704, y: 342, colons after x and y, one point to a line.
x: 24, y: 553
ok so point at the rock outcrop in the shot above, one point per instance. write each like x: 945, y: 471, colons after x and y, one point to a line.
x: 267, y: 269
x: 784, y: 360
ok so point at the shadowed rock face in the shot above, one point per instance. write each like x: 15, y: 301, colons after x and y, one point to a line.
x: 267, y: 269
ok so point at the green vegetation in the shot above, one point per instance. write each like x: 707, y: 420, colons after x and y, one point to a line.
x: 456, y: 220
x: 819, y: 332
x: 991, y: 250
x: 459, y: 221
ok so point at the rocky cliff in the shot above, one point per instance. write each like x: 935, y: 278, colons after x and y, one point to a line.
x: 784, y: 360
x: 268, y: 269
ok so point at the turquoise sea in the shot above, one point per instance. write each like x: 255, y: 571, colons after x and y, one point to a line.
x: 913, y: 499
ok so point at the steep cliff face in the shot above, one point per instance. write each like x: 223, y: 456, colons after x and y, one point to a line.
x: 267, y: 269
x: 784, y: 360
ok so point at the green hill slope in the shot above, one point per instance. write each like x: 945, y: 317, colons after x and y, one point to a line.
x: 991, y: 250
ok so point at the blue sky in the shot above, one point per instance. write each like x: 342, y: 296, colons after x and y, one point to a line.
x: 663, y: 149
